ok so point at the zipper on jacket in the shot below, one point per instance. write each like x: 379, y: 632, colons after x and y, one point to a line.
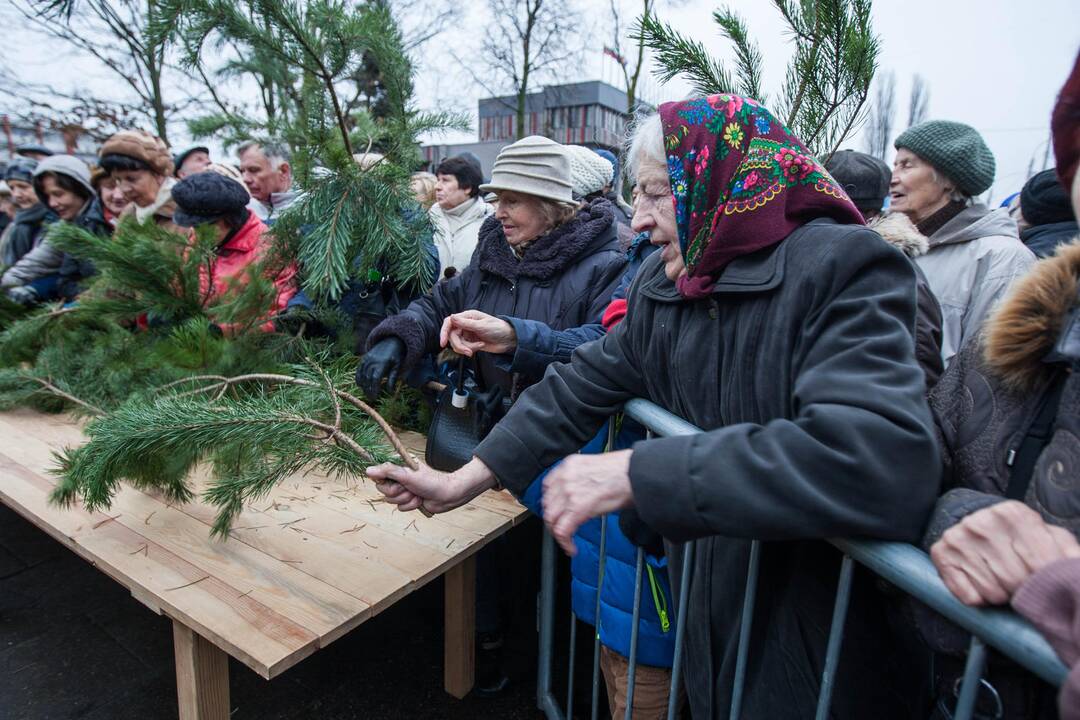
x: 659, y: 600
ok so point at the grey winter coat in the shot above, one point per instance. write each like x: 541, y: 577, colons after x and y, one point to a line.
x: 801, y: 369
x: 972, y: 261
x: 564, y: 279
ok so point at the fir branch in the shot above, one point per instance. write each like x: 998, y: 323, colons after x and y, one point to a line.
x: 678, y: 55
x: 65, y: 395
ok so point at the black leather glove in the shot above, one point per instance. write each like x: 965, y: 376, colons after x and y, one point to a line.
x: 381, y: 361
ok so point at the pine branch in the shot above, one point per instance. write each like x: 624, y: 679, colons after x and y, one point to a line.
x: 678, y: 55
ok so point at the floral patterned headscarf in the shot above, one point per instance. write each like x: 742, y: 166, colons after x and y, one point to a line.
x: 741, y: 181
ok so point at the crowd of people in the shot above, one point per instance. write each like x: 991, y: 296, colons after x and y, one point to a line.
x: 870, y: 350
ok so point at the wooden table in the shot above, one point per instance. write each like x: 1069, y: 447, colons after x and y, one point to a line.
x: 302, y: 567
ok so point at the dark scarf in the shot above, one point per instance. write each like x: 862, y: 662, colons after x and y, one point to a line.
x: 938, y: 220
x: 741, y: 182
x: 550, y: 253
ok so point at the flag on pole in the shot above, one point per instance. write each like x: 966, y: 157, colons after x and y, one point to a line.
x: 611, y: 53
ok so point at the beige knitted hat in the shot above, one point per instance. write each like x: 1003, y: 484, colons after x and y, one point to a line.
x: 140, y: 145
x: 533, y: 165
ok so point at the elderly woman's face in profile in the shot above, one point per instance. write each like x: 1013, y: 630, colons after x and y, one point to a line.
x: 654, y: 212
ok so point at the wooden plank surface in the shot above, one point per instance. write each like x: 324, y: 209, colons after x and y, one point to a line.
x: 304, y: 565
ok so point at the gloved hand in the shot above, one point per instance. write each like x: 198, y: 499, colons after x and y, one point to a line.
x: 23, y: 294
x: 381, y: 361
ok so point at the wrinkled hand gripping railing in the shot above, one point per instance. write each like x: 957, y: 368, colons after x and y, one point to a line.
x: 903, y: 565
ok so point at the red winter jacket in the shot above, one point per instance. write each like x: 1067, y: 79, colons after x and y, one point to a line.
x: 227, y: 272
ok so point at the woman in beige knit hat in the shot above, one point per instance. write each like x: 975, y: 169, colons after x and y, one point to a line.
x: 539, y: 258
x: 143, y: 169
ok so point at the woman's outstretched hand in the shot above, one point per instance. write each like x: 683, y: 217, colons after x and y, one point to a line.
x: 431, y: 489
x: 582, y: 487
x: 473, y: 331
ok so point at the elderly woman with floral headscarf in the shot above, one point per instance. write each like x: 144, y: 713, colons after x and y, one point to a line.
x: 776, y: 322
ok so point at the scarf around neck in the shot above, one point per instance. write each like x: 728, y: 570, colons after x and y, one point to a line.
x: 741, y: 182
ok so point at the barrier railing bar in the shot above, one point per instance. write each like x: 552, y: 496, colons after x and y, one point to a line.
x: 836, y: 638
x: 746, y: 624
x: 602, y: 562
x: 911, y: 570
x: 634, y: 631
x: 973, y: 670
x: 547, y: 620
x: 573, y: 659
x: 680, y: 629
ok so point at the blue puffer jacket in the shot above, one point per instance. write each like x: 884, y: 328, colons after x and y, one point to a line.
x: 656, y: 637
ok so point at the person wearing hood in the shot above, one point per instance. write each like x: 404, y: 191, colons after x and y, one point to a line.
x: 866, y: 179
x: 457, y: 214
x: 142, y: 167
x: 975, y: 253
x: 268, y: 176
x: 243, y: 241
x: 63, y: 182
x: 1047, y: 217
x: 27, y: 258
x: 774, y: 320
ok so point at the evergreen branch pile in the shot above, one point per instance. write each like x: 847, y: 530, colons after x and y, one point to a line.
x: 823, y: 99
x: 272, y: 426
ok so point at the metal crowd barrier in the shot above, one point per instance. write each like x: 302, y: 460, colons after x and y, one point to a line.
x: 905, y: 566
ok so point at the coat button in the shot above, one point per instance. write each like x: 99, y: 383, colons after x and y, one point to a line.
x: 714, y: 310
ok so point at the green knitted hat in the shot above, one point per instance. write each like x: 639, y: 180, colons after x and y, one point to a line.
x: 954, y: 149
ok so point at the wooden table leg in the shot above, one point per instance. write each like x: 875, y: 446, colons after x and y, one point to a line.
x: 459, y: 658
x: 202, y: 676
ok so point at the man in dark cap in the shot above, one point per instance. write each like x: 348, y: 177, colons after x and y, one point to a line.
x: 193, y: 160
x: 1047, y: 218
x: 34, y: 151
x: 864, y: 178
x: 243, y: 243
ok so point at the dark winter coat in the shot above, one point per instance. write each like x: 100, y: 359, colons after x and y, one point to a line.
x: 27, y: 233
x: 983, y: 407
x: 564, y: 279
x: 801, y: 369
x: 1043, y: 240
x: 898, y: 230
x: 75, y: 271
x: 539, y: 345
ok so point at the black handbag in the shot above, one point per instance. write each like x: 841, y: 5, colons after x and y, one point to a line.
x: 463, y: 417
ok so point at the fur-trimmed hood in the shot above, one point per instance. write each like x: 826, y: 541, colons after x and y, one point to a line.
x: 1029, y: 319
x: 592, y: 230
x: 898, y: 230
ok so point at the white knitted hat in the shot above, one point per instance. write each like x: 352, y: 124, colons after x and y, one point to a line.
x: 533, y: 165
x: 589, y: 172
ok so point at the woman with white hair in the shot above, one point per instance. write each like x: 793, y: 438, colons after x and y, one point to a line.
x: 975, y: 252
x: 775, y: 321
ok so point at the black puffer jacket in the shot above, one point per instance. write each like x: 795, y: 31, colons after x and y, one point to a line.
x: 801, y: 369
x: 74, y: 271
x: 564, y: 279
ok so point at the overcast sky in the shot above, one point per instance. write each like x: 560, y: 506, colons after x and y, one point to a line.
x: 994, y: 64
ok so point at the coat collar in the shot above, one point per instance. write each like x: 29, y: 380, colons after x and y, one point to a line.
x: 591, y: 231
x: 246, y: 238
x: 757, y: 272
